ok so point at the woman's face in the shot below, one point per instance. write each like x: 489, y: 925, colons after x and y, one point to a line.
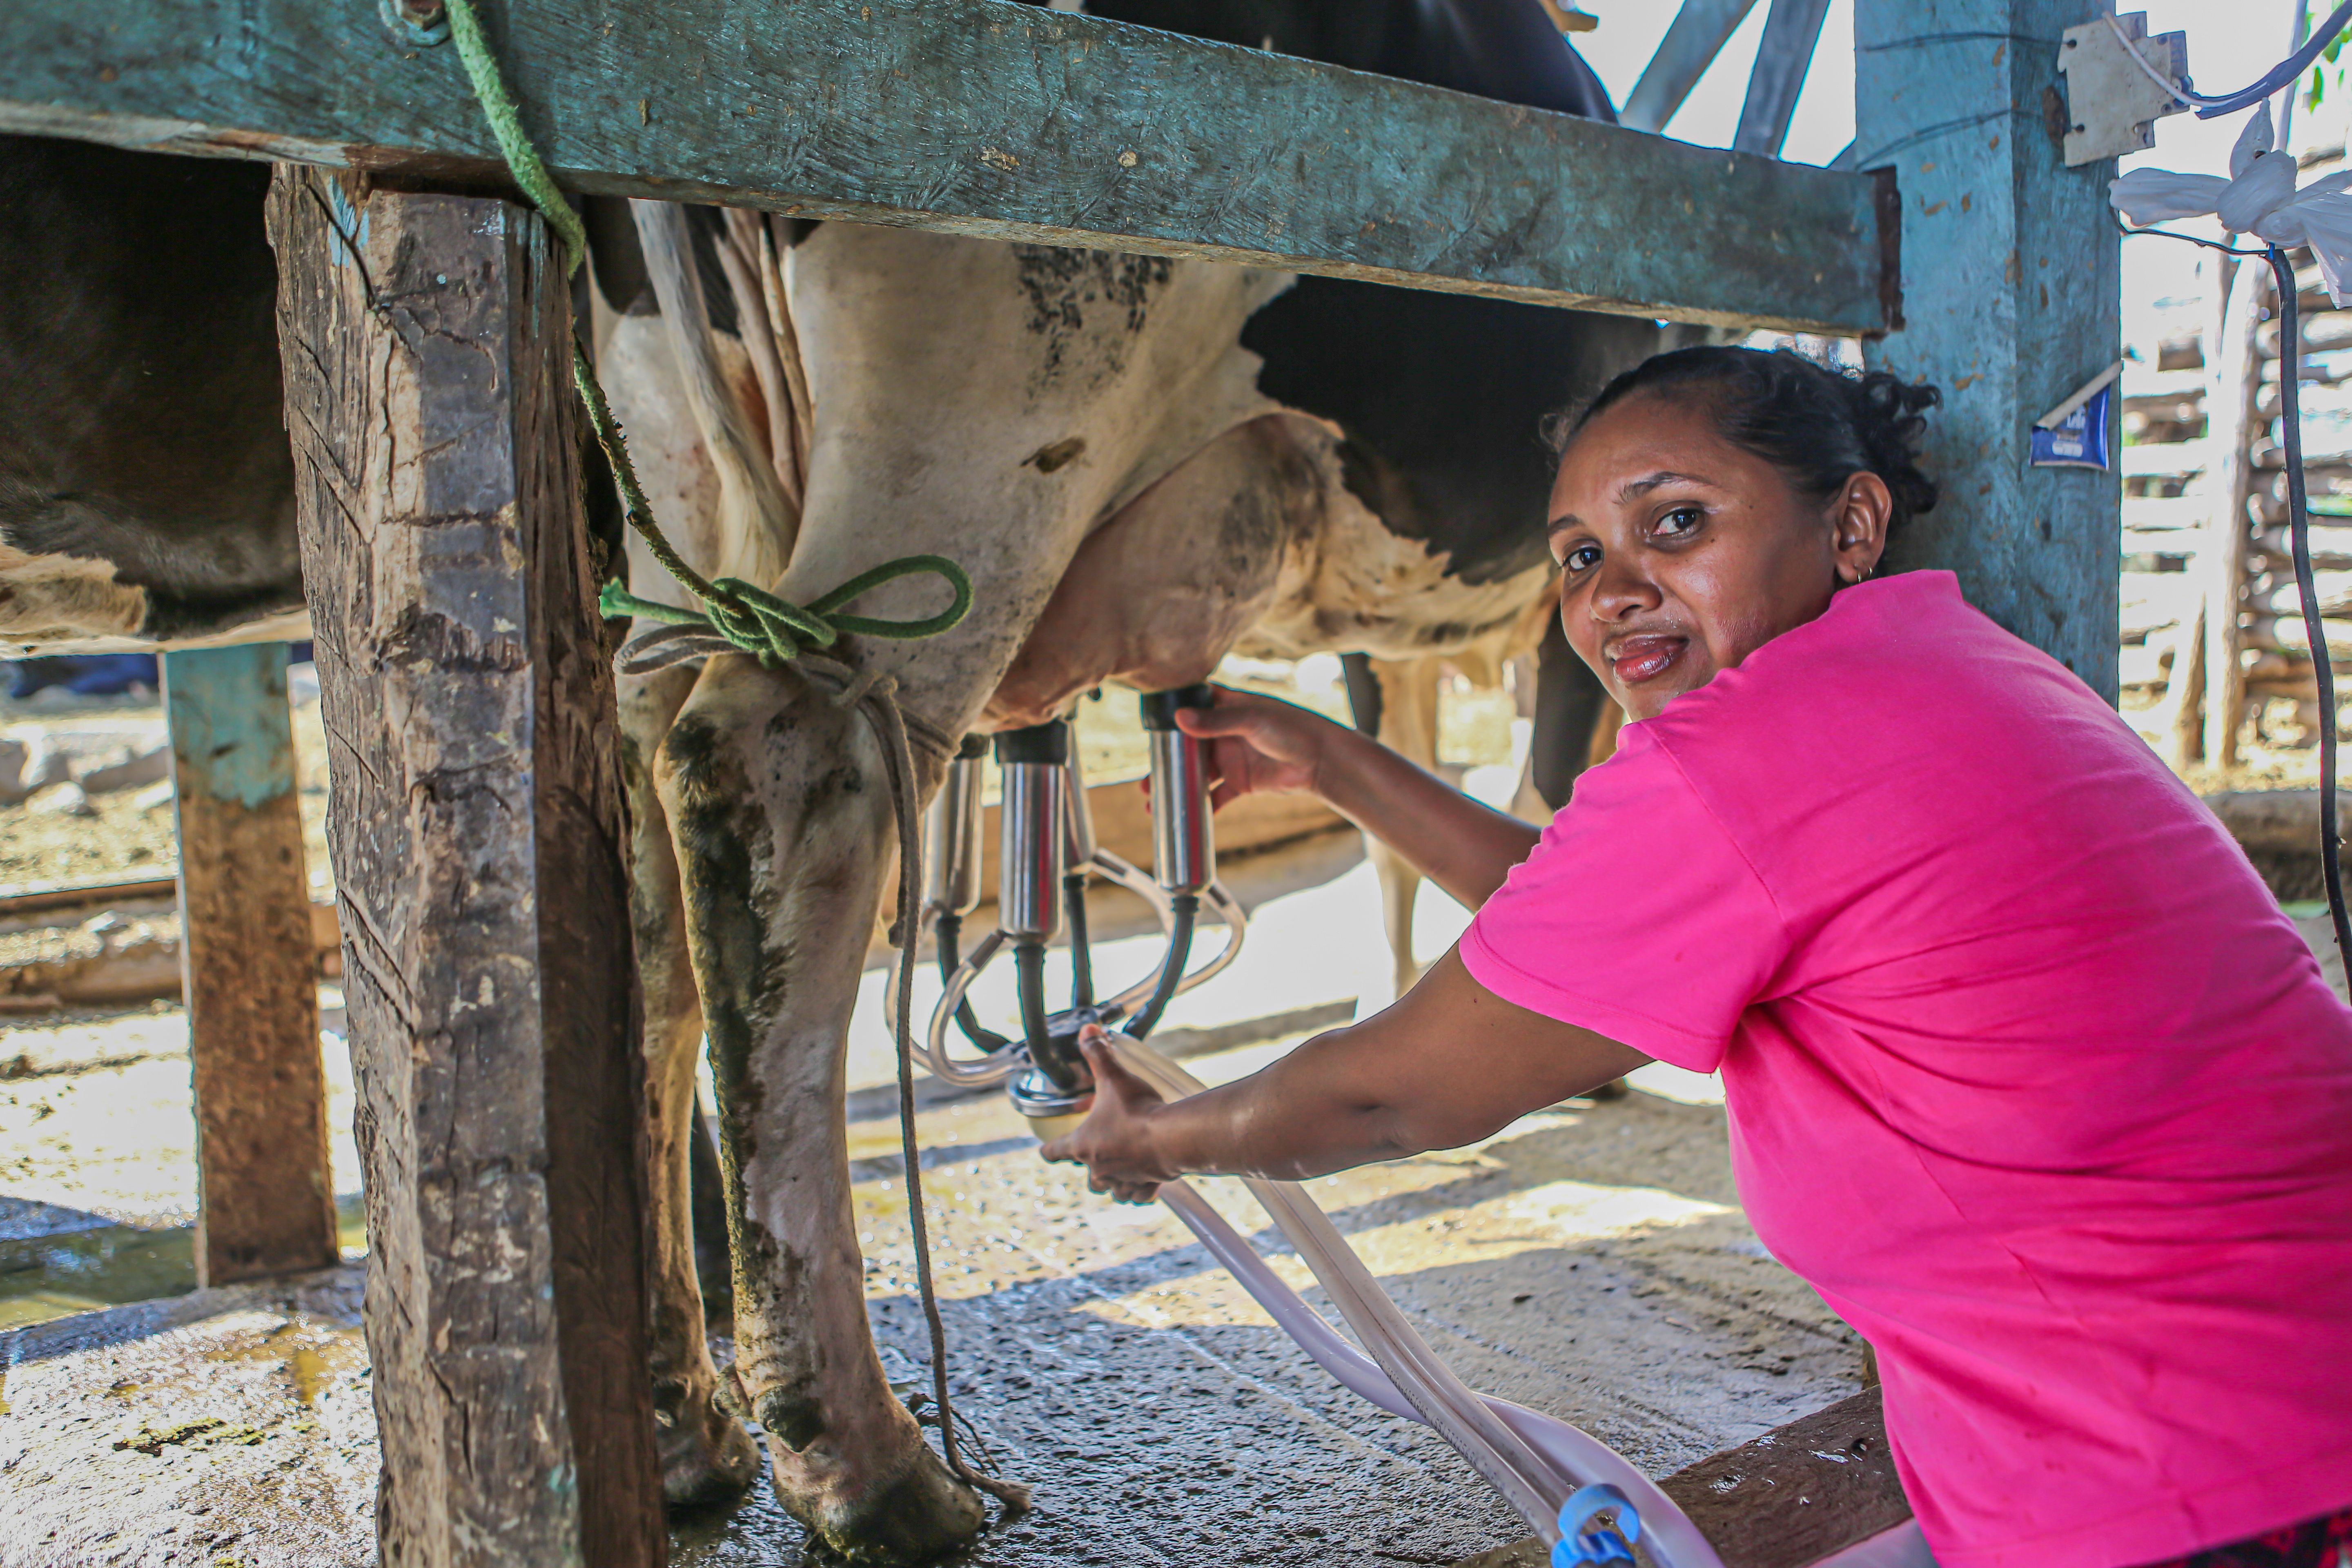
x: 1681, y: 554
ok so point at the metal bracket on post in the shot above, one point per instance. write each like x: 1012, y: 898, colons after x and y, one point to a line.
x: 2111, y: 103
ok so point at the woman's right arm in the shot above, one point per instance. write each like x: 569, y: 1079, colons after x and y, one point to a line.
x: 1259, y: 744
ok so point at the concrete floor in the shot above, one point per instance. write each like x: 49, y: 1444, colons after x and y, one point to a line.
x: 1590, y: 1262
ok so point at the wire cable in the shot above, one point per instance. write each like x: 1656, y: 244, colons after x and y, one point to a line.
x: 2314, y: 628
x: 2208, y: 105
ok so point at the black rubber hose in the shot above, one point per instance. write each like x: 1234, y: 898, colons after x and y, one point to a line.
x: 948, y: 932
x: 2298, y: 522
x: 1186, y: 909
x: 1049, y: 1056
x: 1082, y: 963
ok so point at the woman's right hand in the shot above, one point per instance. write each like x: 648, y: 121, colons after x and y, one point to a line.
x: 1258, y: 745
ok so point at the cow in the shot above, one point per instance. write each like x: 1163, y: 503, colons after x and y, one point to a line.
x: 1143, y: 464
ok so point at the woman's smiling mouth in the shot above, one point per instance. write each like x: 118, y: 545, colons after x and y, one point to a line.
x: 1644, y: 657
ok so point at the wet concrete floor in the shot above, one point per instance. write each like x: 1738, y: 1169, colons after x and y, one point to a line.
x: 1590, y: 1261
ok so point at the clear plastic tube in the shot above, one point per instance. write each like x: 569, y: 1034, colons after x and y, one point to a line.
x: 1532, y: 1459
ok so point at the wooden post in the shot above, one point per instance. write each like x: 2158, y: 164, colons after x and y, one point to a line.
x: 2012, y: 295
x: 2234, y: 386
x: 267, y: 1203
x: 476, y: 833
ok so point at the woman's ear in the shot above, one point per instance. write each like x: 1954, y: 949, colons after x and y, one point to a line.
x: 1858, y: 520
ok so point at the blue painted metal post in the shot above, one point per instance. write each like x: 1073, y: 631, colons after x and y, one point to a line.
x: 266, y: 1202
x: 2010, y: 300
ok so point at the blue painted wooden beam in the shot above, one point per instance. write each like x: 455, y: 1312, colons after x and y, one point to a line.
x: 1693, y: 39
x: 2011, y: 294
x: 266, y: 1202
x: 986, y: 118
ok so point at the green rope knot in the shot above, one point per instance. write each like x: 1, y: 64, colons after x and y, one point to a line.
x: 775, y: 631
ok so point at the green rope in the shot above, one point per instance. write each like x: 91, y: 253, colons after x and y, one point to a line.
x: 773, y: 629
x: 751, y: 619
x: 506, y: 124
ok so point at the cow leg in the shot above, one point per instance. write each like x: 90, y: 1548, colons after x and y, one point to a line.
x: 714, y: 1265
x: 777, y: 804
x: 1570, y: 707
x: 1408, y: 728
x: 706, y: 1455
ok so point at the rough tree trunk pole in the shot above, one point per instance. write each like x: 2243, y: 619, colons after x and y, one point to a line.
x: 248, y: 969
x: 477, y: 837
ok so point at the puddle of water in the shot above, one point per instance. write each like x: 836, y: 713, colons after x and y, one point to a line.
x: 313, y: 1355
x: 47, y: 1277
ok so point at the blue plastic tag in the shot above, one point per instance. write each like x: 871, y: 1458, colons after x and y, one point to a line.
x: 2080, y: 440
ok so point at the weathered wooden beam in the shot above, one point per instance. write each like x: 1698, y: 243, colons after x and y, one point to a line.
x: 476, y: 827
x: 1795, y: 1495
x: 986, y: 118
x: 266, y: 1193
x: 2012, y: 285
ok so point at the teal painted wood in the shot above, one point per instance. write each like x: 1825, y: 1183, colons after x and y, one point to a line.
x: 2010, y: 300
x: 986, y: 118
x: 231, y: 729
x: 265, y: 1186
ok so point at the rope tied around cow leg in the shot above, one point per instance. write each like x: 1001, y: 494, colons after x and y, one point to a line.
x: 743, y: 617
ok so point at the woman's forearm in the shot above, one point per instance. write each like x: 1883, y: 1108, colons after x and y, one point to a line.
x: 1262, y: 1127
x: 1449, y: 1063
x: 1464, y: 847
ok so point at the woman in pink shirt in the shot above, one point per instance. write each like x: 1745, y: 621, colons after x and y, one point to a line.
x: 2026, y: 1072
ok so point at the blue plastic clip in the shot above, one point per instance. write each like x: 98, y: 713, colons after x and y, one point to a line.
x: 1581, y: 1540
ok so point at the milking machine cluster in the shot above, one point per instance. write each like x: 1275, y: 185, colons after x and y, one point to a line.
x: 1587, y: 1502
x: 1047, y: 854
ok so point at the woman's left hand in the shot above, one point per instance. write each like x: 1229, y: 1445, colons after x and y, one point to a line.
x: 1115, y: 1141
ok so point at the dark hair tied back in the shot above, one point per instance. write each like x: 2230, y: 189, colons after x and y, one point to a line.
x: 1816, y: 424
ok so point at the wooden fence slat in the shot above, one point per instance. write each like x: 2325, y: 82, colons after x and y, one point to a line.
x: 2229, y: 397
x: 266, y: 1196
x: 976, y: 117
x: 475, y: 826
x: 1696, y: 35
x: 1792, y: 31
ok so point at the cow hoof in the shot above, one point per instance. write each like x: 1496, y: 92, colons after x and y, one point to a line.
x: 920, y: 1514
x: 706, y: 1455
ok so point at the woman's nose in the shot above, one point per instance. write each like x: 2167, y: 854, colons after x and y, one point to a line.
x: 1621, y: 588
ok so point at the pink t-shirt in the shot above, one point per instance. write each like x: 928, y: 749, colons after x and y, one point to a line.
x: 2026, y: 1072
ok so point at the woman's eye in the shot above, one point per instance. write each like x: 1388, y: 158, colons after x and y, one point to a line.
x: 1582, y: 558
x: 1682, y: 519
